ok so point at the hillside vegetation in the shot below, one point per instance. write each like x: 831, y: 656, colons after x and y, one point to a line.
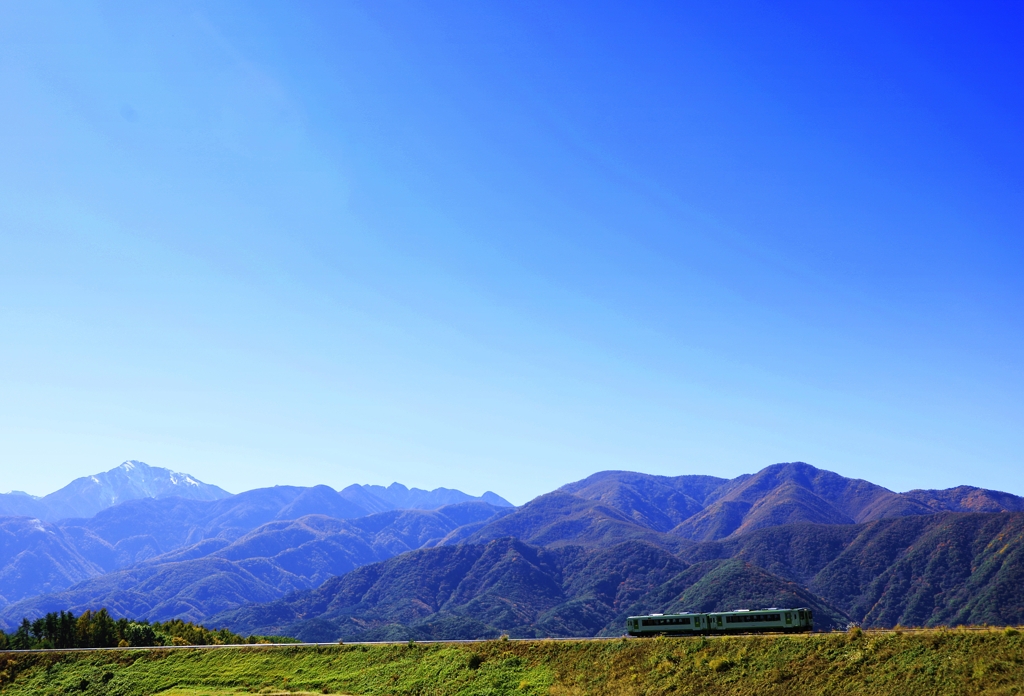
x: 506, y: 586
x: 64, y: 630
x: 921, y: 570
x: 935, y: 662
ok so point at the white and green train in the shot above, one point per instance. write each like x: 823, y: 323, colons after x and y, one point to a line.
x: 772, y: 620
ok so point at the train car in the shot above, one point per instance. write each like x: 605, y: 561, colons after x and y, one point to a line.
x: 772, y: 620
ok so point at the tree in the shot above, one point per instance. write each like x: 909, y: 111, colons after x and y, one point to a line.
x: 23, y: 636
x: 140, y: 635
x: 66, y: 626
x: 104, y: 630
x: 38, y: 627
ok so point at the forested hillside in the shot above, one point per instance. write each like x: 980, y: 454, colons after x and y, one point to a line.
x: 948, y: 569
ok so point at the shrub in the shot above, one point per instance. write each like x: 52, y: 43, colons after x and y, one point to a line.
x: 720, y: 664
x: 1010, y: 631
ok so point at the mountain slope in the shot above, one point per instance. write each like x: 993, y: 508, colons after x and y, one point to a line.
x: 942, y: 569
x: 790, y: 493
x: 279, y: 557
x: 560, y: 518
x: 967, y: 499
x: 38, y: 557
x: 946, y: 568
x: 479, y: 590
x: 656, y: 502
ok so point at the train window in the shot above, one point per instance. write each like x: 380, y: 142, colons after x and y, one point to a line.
x: 753, y: 618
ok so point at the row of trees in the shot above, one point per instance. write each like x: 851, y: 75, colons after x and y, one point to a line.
x: 97, y: 629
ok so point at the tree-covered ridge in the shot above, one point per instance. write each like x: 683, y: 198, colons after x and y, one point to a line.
x: 98, y: 629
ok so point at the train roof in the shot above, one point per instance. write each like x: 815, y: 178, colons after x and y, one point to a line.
x: 732, y: 611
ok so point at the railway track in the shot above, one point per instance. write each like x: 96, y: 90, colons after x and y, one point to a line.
x: 272, y: 646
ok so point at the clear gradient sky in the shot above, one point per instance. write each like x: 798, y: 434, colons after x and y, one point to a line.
x: 505, y: 245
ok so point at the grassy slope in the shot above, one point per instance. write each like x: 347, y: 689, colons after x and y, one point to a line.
x: 934, y: 662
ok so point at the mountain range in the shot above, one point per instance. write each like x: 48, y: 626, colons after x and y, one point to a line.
x: 944, y: 568
x: 40, y: 557
x: 86, y: 496
x: 372, y: 562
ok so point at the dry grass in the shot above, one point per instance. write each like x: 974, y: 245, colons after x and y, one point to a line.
x: 953, y: 661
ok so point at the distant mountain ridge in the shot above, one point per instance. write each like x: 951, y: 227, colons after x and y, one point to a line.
x: 40, y: 556
x: 398, y: 497
x: 134, y: 480
x: 672, y: 510
x: 88, y: 495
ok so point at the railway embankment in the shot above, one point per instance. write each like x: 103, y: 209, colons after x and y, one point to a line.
x: 953, y: 661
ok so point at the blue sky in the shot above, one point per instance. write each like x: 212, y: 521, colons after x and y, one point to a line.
x: 506, y: 245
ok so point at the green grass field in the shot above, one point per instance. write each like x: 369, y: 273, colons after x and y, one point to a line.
x: 933, y: 662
